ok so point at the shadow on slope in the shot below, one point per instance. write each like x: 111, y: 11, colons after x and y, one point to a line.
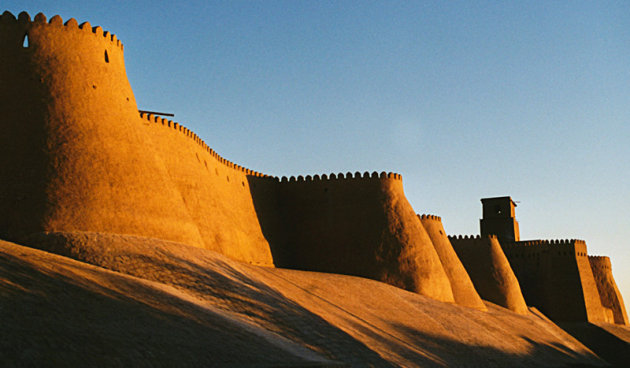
x: 224, y: 288
x: 610, y: 342
x: 449, y: 351
x: 59, y: 312
x: 353, y: 320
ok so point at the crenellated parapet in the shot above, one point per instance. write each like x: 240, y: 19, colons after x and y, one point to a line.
x: 316, y: 178
x: 469, y: 237
x: 600, y: 262
x: 339, y: 176
x: 550, y: 247
x: 14, y: 30
x: 556, y: 247
x: 158, y: 120
x: 426, y: 217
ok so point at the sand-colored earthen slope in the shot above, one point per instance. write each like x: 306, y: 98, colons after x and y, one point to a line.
x: 165, y: 304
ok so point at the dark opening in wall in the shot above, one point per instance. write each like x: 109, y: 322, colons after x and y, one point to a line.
x: 106, y: 57
x: 25, y: 43
x: 497, y: 210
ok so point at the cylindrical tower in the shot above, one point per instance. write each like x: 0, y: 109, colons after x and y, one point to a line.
x: 72, y: 156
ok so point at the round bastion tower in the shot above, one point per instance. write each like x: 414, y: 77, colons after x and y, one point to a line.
x: 72, y: 156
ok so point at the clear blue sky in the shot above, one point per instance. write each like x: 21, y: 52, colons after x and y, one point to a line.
x: 464, y: 99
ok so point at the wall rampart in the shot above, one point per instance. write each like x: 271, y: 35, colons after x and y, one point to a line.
x: 463, y: 289
x: 96, y: 165
x: 557, y: 247
x: 215, y: 191
x: 356, y: 224
x: 75, y: 159
x: 556, y: 278
x: 194, y: 137
x: 607, y: 287
x: 490, y: 271
x: 80, y: 158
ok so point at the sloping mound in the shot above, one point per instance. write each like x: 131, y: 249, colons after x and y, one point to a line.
x: 63, y: 313
x: 188, y: 306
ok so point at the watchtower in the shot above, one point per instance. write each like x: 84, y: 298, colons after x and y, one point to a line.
x: 498, y: 218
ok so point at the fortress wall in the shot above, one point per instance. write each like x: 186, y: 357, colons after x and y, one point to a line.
x: 463, y: 289
x: 73, y: 156
x: 529, y: 263
x: 87, y: 162
x: 556, y: 279
x: 354, y: 224
x: 609, y: 293
x: 216, y: 192
x: 490, y: 271
x: 594, y: 309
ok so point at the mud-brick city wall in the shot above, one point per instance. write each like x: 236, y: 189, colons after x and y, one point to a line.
x: 72, y: 155
x: 356, y: 224
x: 463, y: 289
x: 490, y: 271
x: 215, y: 192
x: 607, y: 287
x: 555, y: 277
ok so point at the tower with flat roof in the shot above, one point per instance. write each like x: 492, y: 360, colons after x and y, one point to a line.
x: 499, y: 219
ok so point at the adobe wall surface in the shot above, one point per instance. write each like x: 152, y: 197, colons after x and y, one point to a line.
x: 463, y: 289
x: 352, y: 224
x: 609, y: 293
x: 556, y: 278
x: 71, y: 155
x: 490, y: 271
x: 215, y: 192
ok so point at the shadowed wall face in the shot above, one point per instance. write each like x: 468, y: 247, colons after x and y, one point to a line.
x: 463, y: 289
x: 556, y: 278
x: 490, y: 271
x: 22, y: 142
x: 355, y: 226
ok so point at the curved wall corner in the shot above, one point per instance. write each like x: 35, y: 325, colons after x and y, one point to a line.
x: 490, y: 271
x: 362, y: 226
x: 73, y: 153
x: 463, y: 289
x: 607, y: 287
